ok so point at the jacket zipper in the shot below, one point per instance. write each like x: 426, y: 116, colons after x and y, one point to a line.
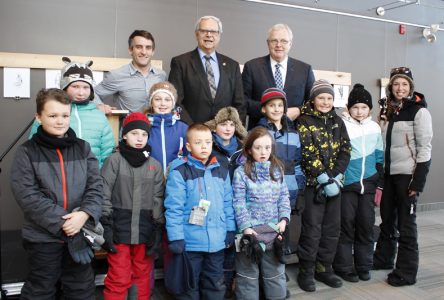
x: 62, y: 170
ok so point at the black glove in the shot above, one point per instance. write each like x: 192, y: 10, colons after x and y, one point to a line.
x: 79, y: 249
x: 177, y: 247
x: 108, y: 245
x: 279, y: 248
x: 229, y: 239
x: 250, y: 246
x: 153, y: 244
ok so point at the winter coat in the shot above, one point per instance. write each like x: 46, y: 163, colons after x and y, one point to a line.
x: 230, y: 162
x: 91, y: 125
x: 365, y: 170
x: 133, y: 198
x: 261, y: 201
x: 325, y: 143
x: 189, y: 181
x: 288, y: 150
x: 408, y: 141
x: 45, y: 180
x: 167, y: 138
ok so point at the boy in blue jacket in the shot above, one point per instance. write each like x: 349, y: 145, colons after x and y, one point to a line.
x: 199, y: 213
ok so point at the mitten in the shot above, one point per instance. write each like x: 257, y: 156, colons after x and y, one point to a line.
x: 154, y: 241
x: 332, y: 189
x: 279, y: 248
x: 378, y: 196
x: 79, y: 249
x: 323, y: 178
x: 108, y: 245
x: 251, y: 247
x: 339, y: 179
x: 229, y: 239
x: 177, y: 247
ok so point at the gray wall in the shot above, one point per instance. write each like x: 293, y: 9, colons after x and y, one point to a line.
x: 365, y: 48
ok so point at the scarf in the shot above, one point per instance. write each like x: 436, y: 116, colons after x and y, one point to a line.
x: 135, y: 157
x: 41, y: 137
x: 230, y: 148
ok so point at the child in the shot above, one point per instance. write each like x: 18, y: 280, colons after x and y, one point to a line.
x: 228, y: 135
x: 133, y: 210
x: 325, y: 156
x: 168, y: 133
x: 89, y: 123
x: 199, y: 213
x: 53, y: 173
x: 260, y: 198
x: 362, y: 177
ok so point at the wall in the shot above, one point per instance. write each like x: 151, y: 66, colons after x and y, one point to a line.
x: 367, y: 49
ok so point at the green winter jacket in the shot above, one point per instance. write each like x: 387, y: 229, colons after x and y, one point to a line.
x: 91, y: 125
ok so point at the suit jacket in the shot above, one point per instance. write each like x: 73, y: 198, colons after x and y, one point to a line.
x: 257, y: 76
x: 194, y: 97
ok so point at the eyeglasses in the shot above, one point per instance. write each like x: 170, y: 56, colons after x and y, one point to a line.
x: 275, y: 42
x: 208, y: 31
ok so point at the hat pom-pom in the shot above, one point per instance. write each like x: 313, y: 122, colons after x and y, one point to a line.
x: 358, y: 86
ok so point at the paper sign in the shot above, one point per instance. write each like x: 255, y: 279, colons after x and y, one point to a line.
x: 341, y: 95
x: 52, y: 79
x: 17, y: 82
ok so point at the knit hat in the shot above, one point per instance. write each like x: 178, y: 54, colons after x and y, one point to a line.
x: 228, y: 113
x: 400, y: 72
x: 321, y: 86
x: 75, y: 71
x: 273, y: 93
x: 359, y: 95
x: 135, y: 120
x: 165, y: 87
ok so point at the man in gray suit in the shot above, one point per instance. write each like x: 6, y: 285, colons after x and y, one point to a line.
x: 279, y: 70
x: 206, y: 81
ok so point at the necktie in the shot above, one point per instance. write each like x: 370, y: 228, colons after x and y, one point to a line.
x: 278, y: 77
x: 210, y: 76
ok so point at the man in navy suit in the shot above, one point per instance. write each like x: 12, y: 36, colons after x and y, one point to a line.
x: 276, y: 70
x: 206, y: 81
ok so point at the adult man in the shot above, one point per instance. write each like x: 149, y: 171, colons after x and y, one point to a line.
x: 206, y: 81
x: 276, y: 70
x: 129, y: 85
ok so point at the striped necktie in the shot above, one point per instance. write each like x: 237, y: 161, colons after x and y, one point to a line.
x: 210, y: 76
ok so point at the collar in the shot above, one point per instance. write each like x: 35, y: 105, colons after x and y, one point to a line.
x: 282, y: 63
x: 202, y: 54
x: 134, y: 71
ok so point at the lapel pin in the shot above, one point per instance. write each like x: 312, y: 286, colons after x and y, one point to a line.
x: 224, y: 64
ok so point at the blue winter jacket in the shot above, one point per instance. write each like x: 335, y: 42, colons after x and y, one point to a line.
x: 189, y: 180
x: 91, y: 125
x: 167, y: 138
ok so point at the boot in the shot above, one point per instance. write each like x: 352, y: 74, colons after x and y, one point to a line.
x: 324, y: 273
x: 305, y: 279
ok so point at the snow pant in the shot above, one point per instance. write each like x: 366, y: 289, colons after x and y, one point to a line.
x: 357, y: 220
x: 229, y: 270
x: 209, y: 274
x: 51, y: 262
x: 247, y: 277
x: 129, y: 266
x: 321, y: 225
x: 398, y: 214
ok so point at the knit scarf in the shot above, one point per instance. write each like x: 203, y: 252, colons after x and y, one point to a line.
x: 41, y: 137
x: 230, y: 148
x: 135, y: 157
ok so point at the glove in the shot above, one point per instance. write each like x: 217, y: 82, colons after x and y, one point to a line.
x: 332, y: 189
x: 323, y: 178
x: 378, y: 196
x: 108, y: 245
x: 229, y: 239
x: 251, y: 247
x: 79, y: 249
x: 177, y: 247
x: 339, y: 179
x: 154, y: 241
x: 280, y: 248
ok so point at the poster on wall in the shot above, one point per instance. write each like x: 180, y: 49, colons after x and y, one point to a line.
x: 52, y: 78
x: 98, y: 77
x: 17, y: 83
x: 341, y: 95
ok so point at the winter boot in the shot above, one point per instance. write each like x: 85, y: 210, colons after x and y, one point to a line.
x: 305, y: 277
x: 324, y: 273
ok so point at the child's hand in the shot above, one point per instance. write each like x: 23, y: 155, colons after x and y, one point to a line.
x: 249, y: 231
x: 282, y: 224
x: 74, y: 222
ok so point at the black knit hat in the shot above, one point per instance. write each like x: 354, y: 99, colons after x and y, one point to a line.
x: 321, y: 86
x: 271, y: 94
x: 359, y: 95
x: 135, y: 120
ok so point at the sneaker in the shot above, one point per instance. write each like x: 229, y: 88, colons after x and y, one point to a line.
x: 396, y: 280
x: 364, y: 275
x: 306, y: 281
x: 329, y: 278
x: 348, y: 276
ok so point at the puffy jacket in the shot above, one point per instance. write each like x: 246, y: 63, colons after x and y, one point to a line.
x: 91, y: 125
x: 408, y: 141
x: 325, y: 143
x: 364, y: 172
x: 230, y: 162
x: 49, y: 183
x: 189, y: 180
x: 167, y: 138
x: 133, y: 198
x: 259, y: 202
